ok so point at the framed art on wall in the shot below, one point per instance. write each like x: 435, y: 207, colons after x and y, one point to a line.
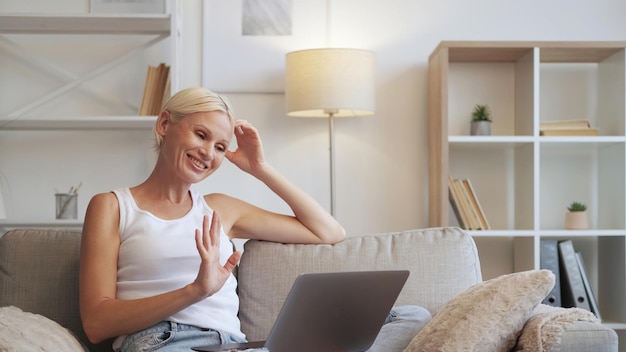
x: 245, y: 41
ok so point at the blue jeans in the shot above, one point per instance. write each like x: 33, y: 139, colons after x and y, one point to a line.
x: 401, y: 325
x: 174, y: 337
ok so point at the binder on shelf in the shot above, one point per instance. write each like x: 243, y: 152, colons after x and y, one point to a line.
x: 573, y: 292
x: 456, y: 205
x: 593, y: 303
x: 549, y: 259
x: 484, y: 224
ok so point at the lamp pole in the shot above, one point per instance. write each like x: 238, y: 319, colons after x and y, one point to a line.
x: 331, y: 143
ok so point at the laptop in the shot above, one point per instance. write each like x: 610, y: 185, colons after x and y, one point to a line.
x: 330, y: 312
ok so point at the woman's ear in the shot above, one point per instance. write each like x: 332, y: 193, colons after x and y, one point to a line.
x: 163, y: 122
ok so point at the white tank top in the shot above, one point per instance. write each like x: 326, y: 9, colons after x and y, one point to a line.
x: 158, y: 256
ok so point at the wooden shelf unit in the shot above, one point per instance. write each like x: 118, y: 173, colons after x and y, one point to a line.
x: 525, y: 181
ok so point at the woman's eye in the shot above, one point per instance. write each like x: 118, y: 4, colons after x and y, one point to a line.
x: 201, y: 135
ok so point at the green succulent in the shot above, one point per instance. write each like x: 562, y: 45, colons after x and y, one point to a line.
x: 577, y: 206
x: 481, y: 113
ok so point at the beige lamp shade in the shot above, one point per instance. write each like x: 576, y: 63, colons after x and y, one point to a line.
x: 319, y: 82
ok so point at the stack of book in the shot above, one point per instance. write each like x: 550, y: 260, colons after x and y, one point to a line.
x: 567, y: 128
x: 571, y: 287
x: 156, y: 90
x: 465, y: 204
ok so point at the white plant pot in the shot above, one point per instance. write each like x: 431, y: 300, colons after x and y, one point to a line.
x: 576, y: 220
x: 480, y: 128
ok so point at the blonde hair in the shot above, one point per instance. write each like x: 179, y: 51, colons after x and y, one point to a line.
x: 192, y: 100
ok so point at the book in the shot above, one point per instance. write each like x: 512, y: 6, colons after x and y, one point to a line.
x: 147, y: 92
x: 162, y: 77
x: 484, y: 224
x: 456, y: 204
x: 156, y: 89
x: 468, y: 210
x: 591, y: 131
x: 572, y: 288
x: 549, y: 259
x: 593, y: 303
x: 564, y: 125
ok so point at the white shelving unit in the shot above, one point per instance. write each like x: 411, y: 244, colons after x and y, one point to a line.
x: 49, y: 92
x: 155, y: 28
x: 525, y: 181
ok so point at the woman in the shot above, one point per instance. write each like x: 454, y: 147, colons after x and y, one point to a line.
x: 156, y: 260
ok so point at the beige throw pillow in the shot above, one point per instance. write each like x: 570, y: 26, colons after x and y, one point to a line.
x: 25, y: 332
x: 486, y: 317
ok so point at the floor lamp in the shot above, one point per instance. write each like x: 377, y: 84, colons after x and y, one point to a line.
x: 3, y: 213
x: 330, y: 83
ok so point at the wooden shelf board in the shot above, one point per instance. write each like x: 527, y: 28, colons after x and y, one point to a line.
x: 511, y: 51
x: 576, y: 55
x: 487, y: 54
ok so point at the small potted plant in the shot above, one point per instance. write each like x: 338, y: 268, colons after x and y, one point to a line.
x: 576, y: 217
x: 481, y: 121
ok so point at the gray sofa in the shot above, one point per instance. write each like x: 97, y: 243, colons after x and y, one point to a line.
x: 39, y: 274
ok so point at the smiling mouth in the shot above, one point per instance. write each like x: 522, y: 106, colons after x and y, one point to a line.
x: 197, y: 162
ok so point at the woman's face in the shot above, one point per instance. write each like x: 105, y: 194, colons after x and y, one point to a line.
x: 196, y: 145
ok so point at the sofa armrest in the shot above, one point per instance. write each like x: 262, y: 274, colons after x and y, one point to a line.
x: 443, y: 262
x: 565, y: 329
x: 585, y: 336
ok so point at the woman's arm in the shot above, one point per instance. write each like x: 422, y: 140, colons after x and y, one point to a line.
x: 311, y: 223
x: 103, y: 315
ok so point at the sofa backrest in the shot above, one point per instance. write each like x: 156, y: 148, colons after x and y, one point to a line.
x: 443, y: 262
x: 39, y: 274
x: 39, y: 271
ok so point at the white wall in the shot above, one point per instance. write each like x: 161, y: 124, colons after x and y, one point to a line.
x: 381, y: 160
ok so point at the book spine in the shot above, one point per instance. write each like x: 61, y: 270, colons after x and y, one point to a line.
x: 478, y: 209
x: 472, y: 217
x: 455, y: 204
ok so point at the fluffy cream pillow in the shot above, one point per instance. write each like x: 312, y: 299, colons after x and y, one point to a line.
x: 486, y: 317
x: 25, y: 332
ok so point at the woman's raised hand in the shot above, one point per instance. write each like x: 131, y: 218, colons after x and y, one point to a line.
x: 212, y: 275
x: 249, y: 154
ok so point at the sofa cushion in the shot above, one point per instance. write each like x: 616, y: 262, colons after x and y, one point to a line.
x: 488, y: 316
x: 37, y: 263
x: 443, y: 262
x: 23, y: 332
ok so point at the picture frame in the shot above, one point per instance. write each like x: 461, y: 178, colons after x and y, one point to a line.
x: 234, y: 62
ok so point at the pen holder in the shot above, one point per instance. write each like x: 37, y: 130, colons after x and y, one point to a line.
x: 66, y: 205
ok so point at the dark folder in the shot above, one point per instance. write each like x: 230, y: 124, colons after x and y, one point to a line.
x: 593, y: 303
x: 573, y: 292
x: 549, y: 259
